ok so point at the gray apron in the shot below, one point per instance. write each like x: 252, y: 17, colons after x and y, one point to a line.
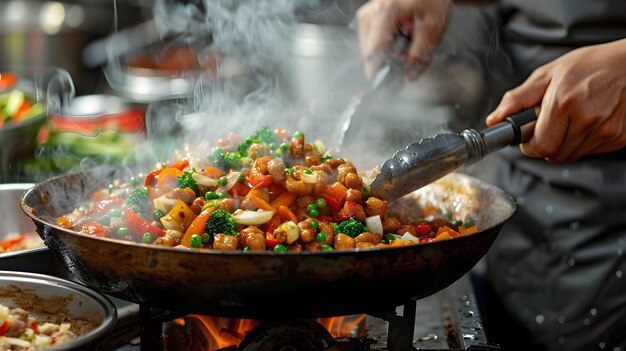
x: 559, y: 264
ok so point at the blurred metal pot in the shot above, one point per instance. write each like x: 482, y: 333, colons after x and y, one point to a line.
x: 54, y: 33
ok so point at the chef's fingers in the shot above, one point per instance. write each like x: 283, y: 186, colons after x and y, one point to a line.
x: 607, y: 136
x: 428, y: 26
x: 528, y: 94
x: 551, y: 127
x: 376, y: 30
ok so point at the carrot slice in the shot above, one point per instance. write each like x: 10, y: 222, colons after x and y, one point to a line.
x: 197, y: 226
x: 286, y: 214
x: 470, y: 230
x: 284, y: 199
x: 258, y: 201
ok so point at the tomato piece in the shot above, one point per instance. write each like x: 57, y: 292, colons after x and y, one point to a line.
x: 140, y: 226
x: 34, y: 327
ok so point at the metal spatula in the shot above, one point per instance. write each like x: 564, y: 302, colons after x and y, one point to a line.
x: 388, y: 76
x: 421, y: 163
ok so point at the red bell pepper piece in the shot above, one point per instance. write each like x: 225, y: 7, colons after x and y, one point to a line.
x: 422, y: 229
x: 140, y: 226
x: 4, y: 327
x: 34, y: 327
x: 335, y: 195
x: 270, y: 242
x: 103, y: 206
x: 93, y: 229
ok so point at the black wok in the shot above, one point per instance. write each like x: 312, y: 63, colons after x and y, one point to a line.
x: 259, y: 285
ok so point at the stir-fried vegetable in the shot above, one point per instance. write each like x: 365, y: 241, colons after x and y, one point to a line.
x: 271, y: 191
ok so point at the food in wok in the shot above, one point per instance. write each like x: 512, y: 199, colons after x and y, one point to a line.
x: 269, y: 191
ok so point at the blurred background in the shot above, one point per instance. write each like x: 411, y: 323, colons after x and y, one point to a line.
x: 93, y: 82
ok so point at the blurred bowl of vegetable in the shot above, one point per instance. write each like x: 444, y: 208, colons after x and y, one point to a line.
x: 93, y: 130
x: 27, y: 94
x: 21, y: 116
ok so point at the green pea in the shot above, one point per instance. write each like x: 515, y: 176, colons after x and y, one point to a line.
x: 469, y: 223
x: 320, y: 203
x: 284, y: 146
x: 448, y: 215
x: 280, y: 248
x: 327, y: 248
x: 457, y: 223
x: 321, y: 237
x: 240, y: 178
x: 297, y: 135
x: 122, y: 232
x: 195, y: 241
x: 365, y: 191
x: 389, y: 237
x: 314, y: 213
x: 206, y: 238
x: 311, y: 207
x: 315, y: 225
x: 222, y: 181
x: 157, y: 214
x: 147, y: 238
x: 246, y: 249
x: 384, y: 241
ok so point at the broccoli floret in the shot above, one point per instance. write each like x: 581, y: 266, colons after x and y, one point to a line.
x: 227, y: 160
x: 186, y: 181
x: 221, y: 221
x: 263, y: 135
x: 138, y: 200
x: 351, y: 227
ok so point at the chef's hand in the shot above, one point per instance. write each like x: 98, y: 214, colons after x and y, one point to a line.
x: 582, y: 99
x: 424, y: 21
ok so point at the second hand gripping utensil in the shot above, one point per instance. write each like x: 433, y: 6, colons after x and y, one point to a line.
x: 422, y: 163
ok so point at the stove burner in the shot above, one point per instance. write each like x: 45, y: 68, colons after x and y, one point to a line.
x: 300, y: 335
x: 448, y: 320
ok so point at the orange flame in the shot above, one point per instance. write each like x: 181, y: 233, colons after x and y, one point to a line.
x: 214, y: 333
